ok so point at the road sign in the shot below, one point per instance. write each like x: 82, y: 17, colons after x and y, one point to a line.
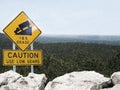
x: 21, y: 58
x: 22, y: 31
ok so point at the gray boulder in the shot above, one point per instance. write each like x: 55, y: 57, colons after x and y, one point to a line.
x: 84, y: 80
x: 31, y: 82
x: 115, y: 78
x: 9, y: 77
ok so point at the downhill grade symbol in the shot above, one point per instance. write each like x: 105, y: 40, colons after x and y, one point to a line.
x: 22, y: 31
x: 20, y: 58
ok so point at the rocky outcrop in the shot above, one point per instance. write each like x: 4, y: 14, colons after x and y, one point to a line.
x: 13, y: 81
x: 85, y: 80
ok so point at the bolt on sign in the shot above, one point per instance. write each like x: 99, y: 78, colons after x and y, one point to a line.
x: 20, y: 58
x: 22, y: 31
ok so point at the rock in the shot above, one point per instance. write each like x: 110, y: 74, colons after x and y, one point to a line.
x: 9, y: 77
x: 116, y: 87
x: 107, y: 84
x: 85, y: 80
x: 31, y: 82
x: 116, y: 78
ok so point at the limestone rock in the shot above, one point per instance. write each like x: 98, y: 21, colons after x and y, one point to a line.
x: 9, y: 77
x: 116, y: 78
x: 31, y: 82
x: 85, y: 80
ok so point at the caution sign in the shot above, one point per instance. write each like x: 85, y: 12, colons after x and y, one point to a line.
x: 22, y: 31
x: 21, y: 58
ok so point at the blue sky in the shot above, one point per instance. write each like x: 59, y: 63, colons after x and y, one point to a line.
x: 68, y: 17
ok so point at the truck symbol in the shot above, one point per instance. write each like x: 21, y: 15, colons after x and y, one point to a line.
x: 24, y: 29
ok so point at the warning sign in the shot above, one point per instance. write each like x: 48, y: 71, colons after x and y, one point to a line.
x: 22, y: 31
x: 21, y: 58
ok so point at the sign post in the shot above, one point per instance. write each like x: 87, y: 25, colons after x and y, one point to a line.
x: 22, y: 31
x: 14, y: 67
x: 32, y: 67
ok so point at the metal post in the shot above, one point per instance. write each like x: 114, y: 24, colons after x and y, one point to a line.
x: 14, y: 67
x: 32, y: 67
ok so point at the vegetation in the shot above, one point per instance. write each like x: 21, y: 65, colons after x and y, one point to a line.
x: 61, y: 58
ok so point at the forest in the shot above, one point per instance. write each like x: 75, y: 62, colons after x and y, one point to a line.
x: 60, y: 58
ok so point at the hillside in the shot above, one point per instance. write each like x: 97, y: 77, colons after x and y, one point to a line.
x: 5, y: 42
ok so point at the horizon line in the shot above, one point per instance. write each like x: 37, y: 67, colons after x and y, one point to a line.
x: 75, y: 34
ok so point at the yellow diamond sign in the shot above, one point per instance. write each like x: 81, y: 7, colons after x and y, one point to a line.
x: 22, y: 31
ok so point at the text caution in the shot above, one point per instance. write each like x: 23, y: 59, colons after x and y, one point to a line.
x: 20, y: 58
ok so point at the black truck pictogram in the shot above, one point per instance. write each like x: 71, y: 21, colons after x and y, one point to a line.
x: 24, y: 29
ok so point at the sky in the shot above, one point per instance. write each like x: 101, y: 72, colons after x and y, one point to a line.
x: 66, y: 17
